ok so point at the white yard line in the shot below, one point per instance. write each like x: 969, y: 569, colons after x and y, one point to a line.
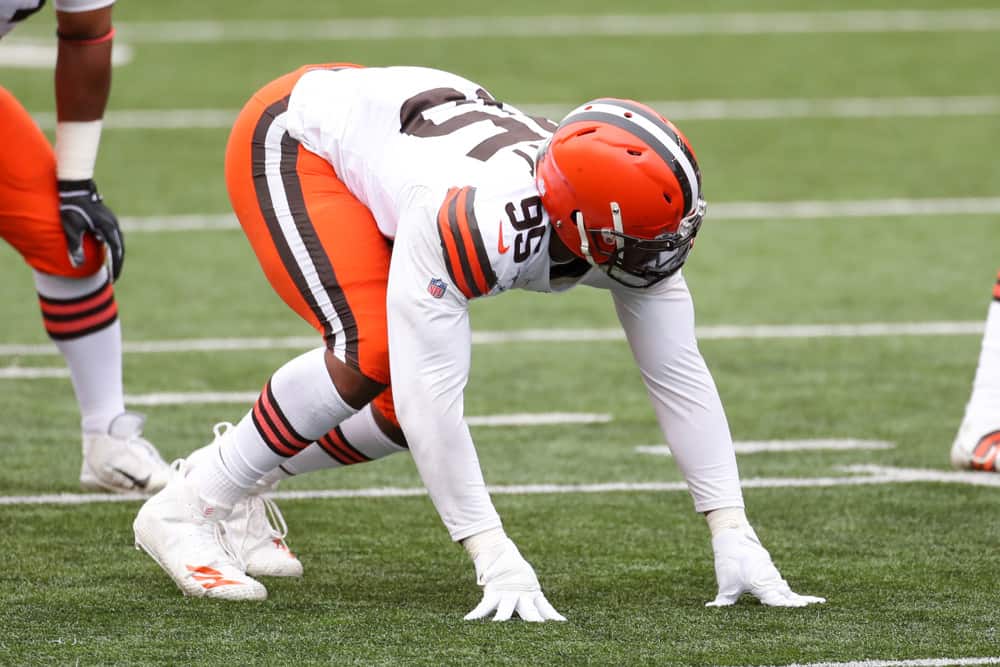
x: 920, y: 662
x: 759, y: 446
x: 248, y: 397
x: 32, y: 373
x: 677, y: 110
x: 746, y: 210
x: 720, y: 332
x: 567, y: 26
x: 870, y: 475
x: 927, y: 475
x: 41, y: 54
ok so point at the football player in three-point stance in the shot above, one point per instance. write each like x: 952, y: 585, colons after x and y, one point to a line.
x: 978, y: 441
x: 51, y: 213
x: 380, y: 202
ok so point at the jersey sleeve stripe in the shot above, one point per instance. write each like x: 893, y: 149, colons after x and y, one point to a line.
x: 458, y: 222
x: 996, y: 288
x: 463, y: 243
x: 451, y: 247
x: 485, y: 277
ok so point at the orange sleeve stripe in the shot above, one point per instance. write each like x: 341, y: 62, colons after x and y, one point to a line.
x: 464, y: 252
x: 466, y: 227
x: 450, y: 246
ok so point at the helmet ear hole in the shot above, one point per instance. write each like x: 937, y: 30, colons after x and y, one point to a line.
x: 667, y: 197
x: 634, y: 152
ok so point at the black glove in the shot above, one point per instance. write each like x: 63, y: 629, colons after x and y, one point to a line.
x: 82, y: 210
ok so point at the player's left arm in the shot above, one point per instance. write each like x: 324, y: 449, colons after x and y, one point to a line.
x: 659, y: 325
x: 83, y: 84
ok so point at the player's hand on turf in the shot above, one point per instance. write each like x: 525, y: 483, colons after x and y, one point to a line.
x: 742, y: 565
x: 82, y: 211
x: 510, y: 585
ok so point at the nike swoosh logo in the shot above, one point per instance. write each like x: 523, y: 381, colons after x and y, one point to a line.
x: 141, y: 483
x: 501, y: 248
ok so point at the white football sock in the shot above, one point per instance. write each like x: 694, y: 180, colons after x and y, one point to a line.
x: 985, y: 399
x: 357, y: 440
x: 81, y: 317
x: 298, y: 405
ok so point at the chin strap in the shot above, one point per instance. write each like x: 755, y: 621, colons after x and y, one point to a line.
x: 616, y: 221
x: 584, y: 245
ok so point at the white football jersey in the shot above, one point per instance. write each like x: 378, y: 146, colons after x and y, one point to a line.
x: 402, y: 138
x: 15, y: 11
x: 448, y: 173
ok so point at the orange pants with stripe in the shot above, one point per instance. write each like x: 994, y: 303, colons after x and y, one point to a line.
x: 318, y: 245
x: 29, y: 197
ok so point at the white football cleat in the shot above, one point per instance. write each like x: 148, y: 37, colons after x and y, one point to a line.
x: 256, y: 529
x: 121, y: 460
x: 977, y: 446
x: 178, y: 530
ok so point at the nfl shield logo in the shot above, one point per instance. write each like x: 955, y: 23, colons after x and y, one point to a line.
x: 437, y: 288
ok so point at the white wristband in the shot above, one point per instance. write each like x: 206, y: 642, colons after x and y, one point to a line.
x: 484, y: 541
x: 726, y: 517
x: 76, y: 149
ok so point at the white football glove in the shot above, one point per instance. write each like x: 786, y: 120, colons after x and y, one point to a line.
x: 742, y: 565
x: 509, y: 584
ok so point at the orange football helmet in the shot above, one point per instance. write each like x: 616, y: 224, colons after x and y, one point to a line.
x: 622, y: 188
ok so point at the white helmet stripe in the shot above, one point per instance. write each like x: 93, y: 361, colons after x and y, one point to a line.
x: 617, y: 113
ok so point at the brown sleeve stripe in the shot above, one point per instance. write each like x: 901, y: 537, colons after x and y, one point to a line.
x: 462, y: 244
x: 66, y: 319
x: 335, y: 444
x: 273, y: 427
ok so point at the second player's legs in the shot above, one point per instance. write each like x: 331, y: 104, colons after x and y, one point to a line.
x: 78, y: 306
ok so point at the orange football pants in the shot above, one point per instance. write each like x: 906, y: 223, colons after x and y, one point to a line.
x: 29, y: 197
x: 318, y: 245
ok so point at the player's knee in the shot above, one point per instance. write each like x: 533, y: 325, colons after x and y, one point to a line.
x: 354, y: 387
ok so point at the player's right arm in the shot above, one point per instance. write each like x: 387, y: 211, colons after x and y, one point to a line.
x: 429, y: 354
x: 83, y: 84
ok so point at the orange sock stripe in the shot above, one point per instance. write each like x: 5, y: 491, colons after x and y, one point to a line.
x: 56, y: 307
x: 66, y: 327
x: 335, y: 444
x: 66, y: 319
x: 268, y: 434
x: 277, y: 418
